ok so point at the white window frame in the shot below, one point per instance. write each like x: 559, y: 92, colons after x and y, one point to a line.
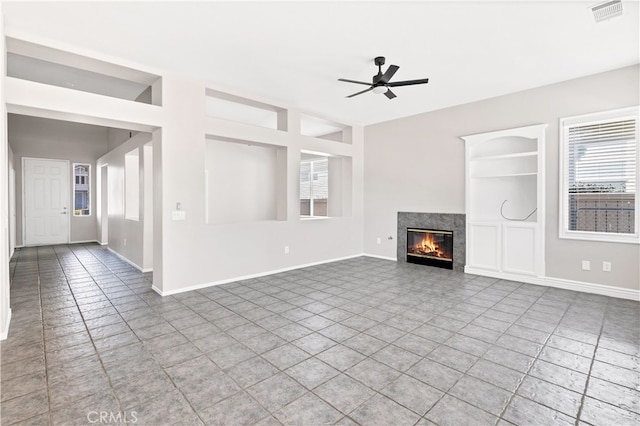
x: 564, y: 125
x: 313, y: 176
x: 89, y: 192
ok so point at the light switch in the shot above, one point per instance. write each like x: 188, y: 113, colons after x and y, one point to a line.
x: 178, y: 215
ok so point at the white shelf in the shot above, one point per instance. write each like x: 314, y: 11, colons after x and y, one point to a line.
x: 504, y: 175
x: 505, y: 156
x: 507, y: 165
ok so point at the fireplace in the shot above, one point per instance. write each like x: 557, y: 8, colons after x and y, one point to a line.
x: 430, y: 247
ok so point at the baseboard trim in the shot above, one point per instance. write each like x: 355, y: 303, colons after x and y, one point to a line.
x: 84, y: 242
x: 377, y: 256
x: 124, y: 259
x: 5, y: 332
x: 248, y: 277
x: 601, y: 289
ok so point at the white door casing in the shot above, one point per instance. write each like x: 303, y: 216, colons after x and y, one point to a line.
x: 46, y: 191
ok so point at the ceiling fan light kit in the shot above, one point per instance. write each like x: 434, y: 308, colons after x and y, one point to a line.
x: 381, y: 82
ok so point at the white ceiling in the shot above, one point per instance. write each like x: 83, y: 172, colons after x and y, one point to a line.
x: 294, y: 52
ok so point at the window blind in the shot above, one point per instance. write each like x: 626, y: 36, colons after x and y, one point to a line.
x: 602, y: 176
x: 314, y: 187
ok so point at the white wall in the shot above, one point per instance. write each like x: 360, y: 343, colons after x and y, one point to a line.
x: 194, y: 253
x: 125, y: 236
x: 417, y: 164
x: 5, y: 310
x: 242, y: 182
x: 61, y: 140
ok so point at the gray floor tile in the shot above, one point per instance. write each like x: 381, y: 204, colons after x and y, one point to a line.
x: 522, y: 411
x: 481, y: 394
x: 308, y: 410
x: 240, y: 410
x: 550, y: 395
x: 416, y: 344
x: 340, y: 357
x: 561, y: 376
x: 167, y: 408
x: 382, y: 411
x: 412, y: 394
x: 496, y: 374
x: 615, y: 374
x: 396, y: 357
x: 276, y: 392
x: 312, y: 372
x: 365, y: 344
x: 344, y: 393
x: 620, y: 396
x: 251, y: 371
x: 314, y: 343
x: 228, y: 356
x: 596, y: 412
x: 285, y: 356
x: 386, y: 316
x: 373, y: 373
x: 514, y: 360
x: 434, y: 374
x: 453, y: 358
x: 450, y: 411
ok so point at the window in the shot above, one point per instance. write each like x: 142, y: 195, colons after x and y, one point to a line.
x: 314, y: 187
x: 599, y: 169
x: 81, y: 190
x: 132, y: 185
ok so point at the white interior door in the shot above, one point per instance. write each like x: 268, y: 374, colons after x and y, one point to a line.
x: 46, y: 201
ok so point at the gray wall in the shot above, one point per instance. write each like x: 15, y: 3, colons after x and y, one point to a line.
x: 416, y: 164
x: 60, y: 140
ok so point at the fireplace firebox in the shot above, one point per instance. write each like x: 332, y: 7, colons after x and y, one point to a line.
x: 430, y: 247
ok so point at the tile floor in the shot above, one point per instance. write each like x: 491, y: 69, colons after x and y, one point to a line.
x: 362, y: 341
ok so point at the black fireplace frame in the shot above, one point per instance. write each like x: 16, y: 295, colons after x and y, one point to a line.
x: 430, y: 261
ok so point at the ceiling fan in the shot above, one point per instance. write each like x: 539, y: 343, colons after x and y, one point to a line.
x: 381, y: 83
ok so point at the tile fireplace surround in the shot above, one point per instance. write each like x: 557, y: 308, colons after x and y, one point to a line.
x: 436, y: 221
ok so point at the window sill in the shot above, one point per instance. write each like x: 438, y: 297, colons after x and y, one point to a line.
x: 314, y: 217
x: 600, y: 238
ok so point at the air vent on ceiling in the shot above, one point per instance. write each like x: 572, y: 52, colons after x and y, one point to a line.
x: 607, y: 10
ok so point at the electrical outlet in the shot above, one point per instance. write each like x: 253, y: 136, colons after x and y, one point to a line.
x: 586, y: 265
x: 378, y: 240
x: 124, y: 242
x: 286, y: 249
x: 606, y: 266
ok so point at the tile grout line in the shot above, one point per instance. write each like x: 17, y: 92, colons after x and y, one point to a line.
x: 536, y: 358
x: 85, y: 323
x: 44, y: 341
x: 593, y: 360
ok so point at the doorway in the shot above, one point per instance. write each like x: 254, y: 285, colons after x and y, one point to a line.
x: 45, y: 201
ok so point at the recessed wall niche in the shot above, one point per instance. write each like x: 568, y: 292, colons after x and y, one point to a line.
x: 325, y: 186
x: 244, y: 181
x: 243, y: 110
x: 46, y: 65
x: 324, y: 129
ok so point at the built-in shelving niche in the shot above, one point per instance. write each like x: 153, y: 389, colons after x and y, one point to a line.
x: 246, y: 111
x: 46, y: 65
x: 324, y: 129
x: 244, y: 181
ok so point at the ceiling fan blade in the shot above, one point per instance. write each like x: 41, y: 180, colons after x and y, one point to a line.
x: 389, y: 94
x: 360, y: 93
x: 408, y: 82
x: 354, y: 81
x: 389, y: 73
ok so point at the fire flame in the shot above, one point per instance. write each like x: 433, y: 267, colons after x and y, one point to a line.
x: 428, y: 246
